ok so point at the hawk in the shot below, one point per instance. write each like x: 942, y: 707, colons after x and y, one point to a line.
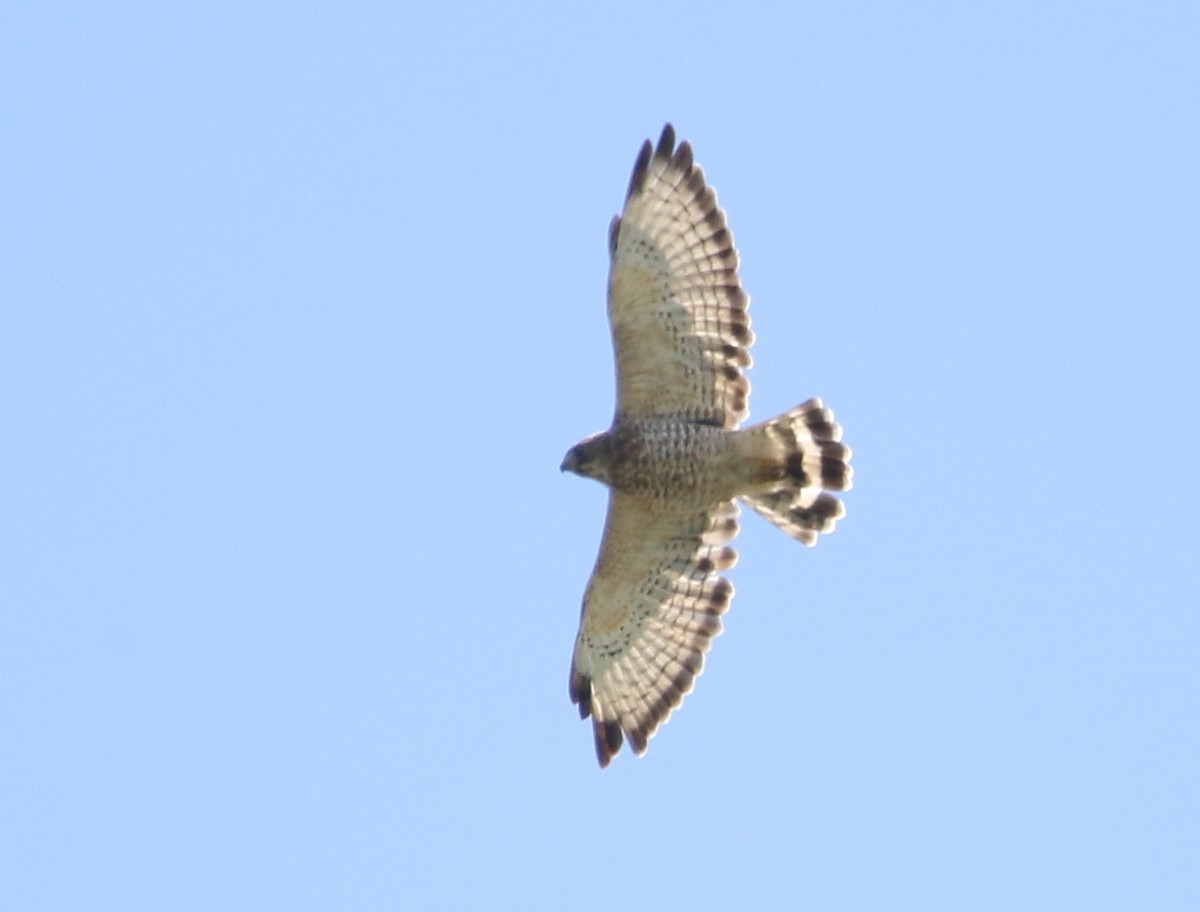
x: 674, y: 460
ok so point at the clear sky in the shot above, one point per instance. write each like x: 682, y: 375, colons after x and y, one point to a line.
x: 302, y: 304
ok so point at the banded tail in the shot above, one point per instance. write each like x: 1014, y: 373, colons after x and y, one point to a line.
x: 800, y: 459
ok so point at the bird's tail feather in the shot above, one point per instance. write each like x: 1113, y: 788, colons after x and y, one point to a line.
x: 801, y: 459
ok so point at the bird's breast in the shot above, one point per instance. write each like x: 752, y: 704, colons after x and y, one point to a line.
x: 676, y: 460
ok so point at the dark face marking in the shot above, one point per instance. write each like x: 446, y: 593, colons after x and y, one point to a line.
x: 574, y: 461
x: 589, y: 457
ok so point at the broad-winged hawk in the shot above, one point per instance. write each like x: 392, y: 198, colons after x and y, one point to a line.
x: 674, y: 460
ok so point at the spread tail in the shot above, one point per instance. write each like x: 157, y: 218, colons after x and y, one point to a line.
x: 802, y: 459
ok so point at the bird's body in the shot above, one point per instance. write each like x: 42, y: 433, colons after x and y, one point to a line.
x: 654, y: 459
x: 674, y: 459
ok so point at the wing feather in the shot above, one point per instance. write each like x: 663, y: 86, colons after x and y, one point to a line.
x: 676, y: 307
x: 652, y: 607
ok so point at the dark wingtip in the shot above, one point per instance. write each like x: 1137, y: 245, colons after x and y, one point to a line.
x: 580, y: 689
x: 683, y: 159
x: 638, y: 740
x: 638, y: 177
x: 664, y: 150
x: 607, y: 734
x: 666, y: 142
x: 608, y: 741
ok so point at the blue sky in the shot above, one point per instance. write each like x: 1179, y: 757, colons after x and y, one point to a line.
x: 300, y: 307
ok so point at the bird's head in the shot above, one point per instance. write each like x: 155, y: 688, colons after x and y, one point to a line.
x: 589, y: 458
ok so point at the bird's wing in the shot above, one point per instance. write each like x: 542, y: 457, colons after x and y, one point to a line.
x: 650, y: 611
x: 677, y: 311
